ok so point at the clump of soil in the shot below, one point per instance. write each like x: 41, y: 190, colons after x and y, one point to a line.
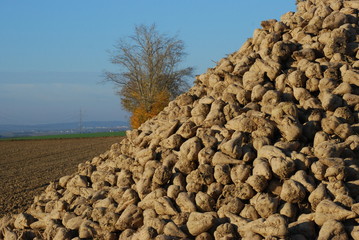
x: 265, y: 145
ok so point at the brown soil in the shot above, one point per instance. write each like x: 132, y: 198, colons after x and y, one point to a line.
x: 27, y: 167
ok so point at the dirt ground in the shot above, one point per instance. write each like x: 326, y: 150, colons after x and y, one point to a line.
x: 26, y: 167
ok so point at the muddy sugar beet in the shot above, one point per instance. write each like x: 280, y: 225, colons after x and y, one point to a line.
x: 264, y: 145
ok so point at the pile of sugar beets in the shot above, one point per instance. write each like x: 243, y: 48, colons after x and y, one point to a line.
x: 264, y: 145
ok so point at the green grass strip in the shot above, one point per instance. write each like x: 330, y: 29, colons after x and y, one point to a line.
x: 62, y: 136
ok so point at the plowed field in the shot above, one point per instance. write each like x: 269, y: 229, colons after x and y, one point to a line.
x: 26, y: 167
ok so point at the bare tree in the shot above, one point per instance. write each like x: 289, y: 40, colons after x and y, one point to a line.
x: 149, y: 64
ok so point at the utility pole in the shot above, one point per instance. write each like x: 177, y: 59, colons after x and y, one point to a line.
x: 80, y: 125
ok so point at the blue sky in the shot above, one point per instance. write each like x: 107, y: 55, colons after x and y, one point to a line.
x: 53, y: 53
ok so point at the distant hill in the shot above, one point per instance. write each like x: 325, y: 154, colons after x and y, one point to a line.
x: 12, y: 130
